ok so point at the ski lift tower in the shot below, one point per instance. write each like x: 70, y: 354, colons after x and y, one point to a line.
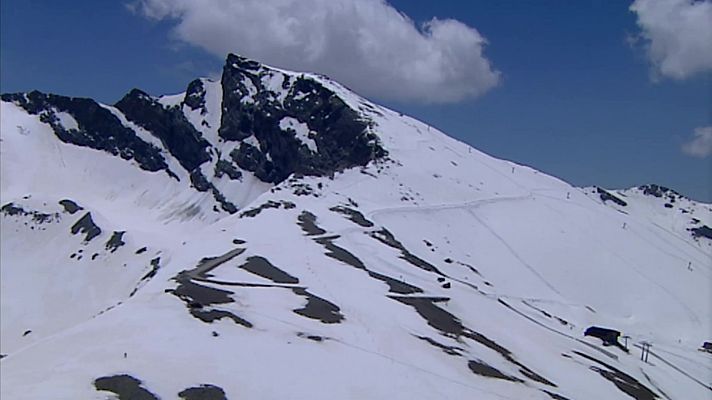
x: 645, y: 351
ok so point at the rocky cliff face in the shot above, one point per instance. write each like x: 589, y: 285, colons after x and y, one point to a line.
x: 300, y: 126
x: 169, y: 125
x: 280, y: 124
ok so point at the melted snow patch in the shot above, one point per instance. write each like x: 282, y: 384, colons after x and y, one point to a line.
x: 301, y: 131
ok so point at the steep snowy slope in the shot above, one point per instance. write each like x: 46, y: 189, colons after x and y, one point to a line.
x: 274, y: 235
x: 662, y: 206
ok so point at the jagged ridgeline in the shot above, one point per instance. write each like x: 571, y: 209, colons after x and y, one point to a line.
x: 286, y: 104
x: 274, y: 124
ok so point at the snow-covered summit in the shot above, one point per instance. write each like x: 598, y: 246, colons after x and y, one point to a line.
x: 274, y: 235
x: 257, y: 125
x: 663, y: 207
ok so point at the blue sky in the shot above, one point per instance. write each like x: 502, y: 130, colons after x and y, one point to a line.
x: 572, y: 96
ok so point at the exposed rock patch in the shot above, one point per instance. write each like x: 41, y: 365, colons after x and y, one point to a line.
x: 607, y: 196
x: 195, y: 96
x: 202, y: 184
x: 169, y: 125
x: 11, y: 209
x: 126, y: 387
x: 702, y: 231
x: 624, y: 382
x: 115, y: 241
x: 287, y: 205
x: 318, y: 308
x: 86, y: 226
x: 70, y: 206
x: 262, y: 267
x: 203, y: 392
x: 353, y: 215
x: 97, y: 127
x: 483, y: 369
x: 449, y: 350
x: 307, y: 221
x: 252, y: 108
x: 200, y: 299
x: 339, y: 253
x: 224, y: 167
x: 387, y: 238
x: 314, y: 338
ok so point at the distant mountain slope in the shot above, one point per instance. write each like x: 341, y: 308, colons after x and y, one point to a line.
x: 274, y: 235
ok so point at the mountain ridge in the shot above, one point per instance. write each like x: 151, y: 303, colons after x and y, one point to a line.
x: 272, y: 225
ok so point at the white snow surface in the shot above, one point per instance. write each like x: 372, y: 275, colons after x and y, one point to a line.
x: 523, y: 261
x: 301, y: 132
x: 67, y: 121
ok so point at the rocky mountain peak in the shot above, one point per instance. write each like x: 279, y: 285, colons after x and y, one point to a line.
x: 285, y: 123
x: 243, y: 63
x: 299, y: 125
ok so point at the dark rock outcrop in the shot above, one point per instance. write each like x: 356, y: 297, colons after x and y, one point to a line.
x: 658, y: 191
x: 702, y: 231
x: 224, y: 167
x: 70, y: 206
x: 607, y: 196
x: 115, y: 241
x: 250, y: 158
x: 663, y: 193
x: 12, y: 209
x: 250, y: 108
x: 202, y: 184
x: 97, y: 127
x: 86, y: 226
x: 126, y: 387
x: 195, y: 96
x: 203, y: 392
x: 169, y: 125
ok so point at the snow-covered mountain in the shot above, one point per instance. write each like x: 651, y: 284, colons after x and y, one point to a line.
x: 273, y: 235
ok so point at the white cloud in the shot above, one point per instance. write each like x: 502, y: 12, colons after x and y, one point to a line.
x: 365, y: 44
x: 677, y: 34
x: 701, y: 143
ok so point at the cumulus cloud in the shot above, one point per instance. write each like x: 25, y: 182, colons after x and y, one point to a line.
x: 701, y: 143
x: 677, y: 35
x: 366, y: 44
